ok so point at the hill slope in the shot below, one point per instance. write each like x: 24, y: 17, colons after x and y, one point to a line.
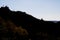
x: 18, y: 25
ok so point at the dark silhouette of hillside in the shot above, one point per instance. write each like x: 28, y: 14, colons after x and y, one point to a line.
x: 18, y: 25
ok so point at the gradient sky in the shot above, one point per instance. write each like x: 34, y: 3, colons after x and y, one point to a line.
x: 46, y: 9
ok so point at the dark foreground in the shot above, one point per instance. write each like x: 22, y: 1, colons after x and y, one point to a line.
x: 17, y: 25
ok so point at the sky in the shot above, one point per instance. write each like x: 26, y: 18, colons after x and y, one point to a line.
x: 46, y: 9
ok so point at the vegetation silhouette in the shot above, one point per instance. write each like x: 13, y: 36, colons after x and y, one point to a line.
x: 18, y: 25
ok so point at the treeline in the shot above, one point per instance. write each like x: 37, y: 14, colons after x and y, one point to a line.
x: 18, y: 25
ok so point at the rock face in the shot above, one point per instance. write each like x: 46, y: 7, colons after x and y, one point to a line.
x: 17, y: 25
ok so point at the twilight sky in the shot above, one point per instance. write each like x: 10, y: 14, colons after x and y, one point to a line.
x: 46, y: 9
